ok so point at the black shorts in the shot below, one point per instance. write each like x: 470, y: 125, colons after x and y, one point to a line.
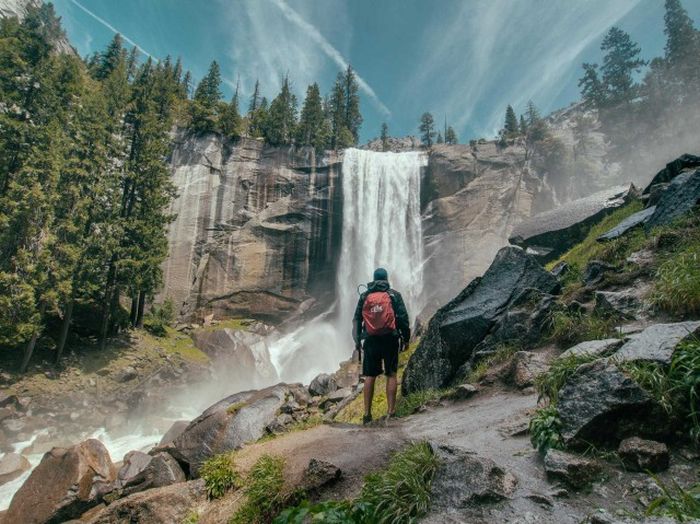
x: 378, y: 350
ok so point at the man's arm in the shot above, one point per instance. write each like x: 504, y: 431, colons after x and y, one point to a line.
x: 401, y: 313
x: 357, y: 322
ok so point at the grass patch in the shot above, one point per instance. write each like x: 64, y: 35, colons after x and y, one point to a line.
x: 676, y: 387
x: 677, y: 282
x: 681, y: 504
x: 400, y: 493
x: 219, y: 475
x: 191, y: 518
x: 265, y: 496
x: 551, y: 381
x: 503, y: 353
x: 176, y: 343
x: 545, y: 429
x: 231, y: 323
x: 568, y: 328
x: 235, y: 407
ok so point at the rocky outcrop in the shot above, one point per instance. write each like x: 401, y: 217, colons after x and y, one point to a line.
x: 644, y: 455
x: 66, y: 483
x: 457, y: 328
x: 19, y: 8
x: 574, y: 471
x: 657, y: 343
x: 141, y: 471
x: 681, y: 195
x: 257, y: 228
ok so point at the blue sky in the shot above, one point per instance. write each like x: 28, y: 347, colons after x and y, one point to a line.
x: 463, y: 59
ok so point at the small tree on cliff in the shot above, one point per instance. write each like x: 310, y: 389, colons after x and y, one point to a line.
x: 313, y: 129
x: 511, y: 123
x: 450, y: 136
x: 205, y: 105
x: 427, y: 129
x: 384, y: 136
x: 592, y: 89
x: 281, y: 121
x: 620, y: 62
x: 353, y: 118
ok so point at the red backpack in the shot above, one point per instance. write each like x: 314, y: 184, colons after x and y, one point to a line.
x: 378, y: 314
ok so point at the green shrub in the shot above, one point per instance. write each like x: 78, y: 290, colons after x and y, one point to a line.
x: 545, y: 429
x: 503, y: 354
x: 159, y: 318
x: 681, y: 504
x: 191, y: 518
x: 400, y: 493
x: 551, y: 381
x: 677, y: 282
x: 219, y: 475
x: 265, y: 497
x: 568, y: 328
x: 676, y: 387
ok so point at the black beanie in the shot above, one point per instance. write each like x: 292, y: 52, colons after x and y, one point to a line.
x: 381, y: 274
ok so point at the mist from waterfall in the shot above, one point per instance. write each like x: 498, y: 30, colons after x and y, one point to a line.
x: 381, y: 227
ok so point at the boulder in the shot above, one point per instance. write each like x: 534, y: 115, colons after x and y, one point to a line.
x: 463, y: 479
x: 141, y: 471
x: 672, y: 170
x: 635, y: 220
x: 550, y: 234
x: 12, y: 465
x: 465, y: 391
x: 681, y: 195
x: 154, y: 506
x: 593, y: 348
x: 644, y: 455
x: 574, y: 471
x: 126, y: 374
x: 134, y: 463
x: 560, y: 269
x: 175, y: 431
x: 322, y: 384
x: 227, y: 425
x: 457, y: 328
x: 319, y: 473
x: 594, y: 271
x: 657, y: 343
x: 600, y: 405
x: 628, y: 303
x: 525, y: 367
x: 70, y: 481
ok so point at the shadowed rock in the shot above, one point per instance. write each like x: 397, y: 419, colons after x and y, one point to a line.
x: 672, y: 170
x: 632, y: 221
x: 457, y: 328
x: 66, y: 483
x: 682, y: 195
x: 644, y: 455
x: 574, y: 471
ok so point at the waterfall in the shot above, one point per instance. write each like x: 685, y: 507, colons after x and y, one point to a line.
x: 381, y: 227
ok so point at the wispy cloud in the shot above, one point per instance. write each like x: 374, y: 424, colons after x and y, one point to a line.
x: 111, y: 27
x: 487, y: 54
x: 331, y: 52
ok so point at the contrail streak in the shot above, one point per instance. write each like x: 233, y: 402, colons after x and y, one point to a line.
x: 112, y: 28
x: 332, y: 53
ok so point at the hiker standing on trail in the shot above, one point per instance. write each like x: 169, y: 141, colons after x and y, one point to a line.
x: 381, y: 321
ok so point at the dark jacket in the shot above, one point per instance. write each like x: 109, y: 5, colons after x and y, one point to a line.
x: 402, y: 323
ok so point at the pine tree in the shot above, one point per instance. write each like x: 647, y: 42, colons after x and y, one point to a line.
x: 353, y: 118
x: 427, y: 129
x: 620, y: 62
x: 681, y: 53
x: 341, y: 136
x: 439, y: 139
x: 511, y: 123
x: 280, y: 125
x: 113, y: 56
x: 523, y: 125
x: 384, y: 137
x: 205, y: 104
x: 254, y: 99
x: 313, y: 129
x: 592, y: 89
x: 230, y: 121
x: 450, y: 136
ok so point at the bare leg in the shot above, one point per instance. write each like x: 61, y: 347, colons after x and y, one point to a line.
x: 368, y: 392
x: 391, y: 386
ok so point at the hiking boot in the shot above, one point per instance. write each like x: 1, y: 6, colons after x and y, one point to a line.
x: 366, y: 420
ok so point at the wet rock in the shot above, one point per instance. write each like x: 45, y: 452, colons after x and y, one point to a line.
x: 12, y: 465
x: 319, y: 473
x: 672, y: 170
x: 280, y: 424
x: 593, y: 348
x: 164, y: 505
x: 632, y: 221
x: 466, y: 479
x: 560, y: 269
x: 126, y: 374
x: 641, y: 455
x: 141, y: 472
x: 322, y: 384
x: 594, y: 271
x: 574, y: 471
x: 465, y: 391
x: 657, y: 343
x: 457, y: 328
x: 70, y: 481
x: 134, y: 463
x: 228, y: 424
x: 681, y: 195
x: 175, y: 431
x: 599, y: 404
x: 627, y: 304
x: 525, y: 367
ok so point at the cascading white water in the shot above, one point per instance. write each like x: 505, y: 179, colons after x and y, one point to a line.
x: 381, y: 227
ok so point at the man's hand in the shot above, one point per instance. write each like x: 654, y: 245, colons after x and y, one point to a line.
x: 358, y: 352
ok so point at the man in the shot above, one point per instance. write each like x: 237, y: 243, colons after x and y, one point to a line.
x: 381, y: 320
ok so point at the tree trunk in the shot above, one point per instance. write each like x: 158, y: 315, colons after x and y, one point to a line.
x: 29, y: 348
x: 142, y: 305
x: 65, y: 327
x: 133, y: 314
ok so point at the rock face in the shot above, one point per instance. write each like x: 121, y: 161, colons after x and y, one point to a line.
x: 601, y: 405
x: 69, y: 481
x: 464, y: 479
x: 457, y: 328
x: 228, y: 424
x: 681, y: 195
x: 257, y: 228
x: 19, y: 8
x: 141, y: 472
x: 12, y: 465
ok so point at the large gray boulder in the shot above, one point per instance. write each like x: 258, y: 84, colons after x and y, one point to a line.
x: 681, y: 195
x: 66, y: 483
x: 672, y: 170
x: 323, y: 384
x: 629, y: 223
x: 601, y: 405
x: 227, y: 425
x: 141, y: 471
x: 12, y: 465
x: 457, y: 328
x: 593, y: 348
x: 657, y: 343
